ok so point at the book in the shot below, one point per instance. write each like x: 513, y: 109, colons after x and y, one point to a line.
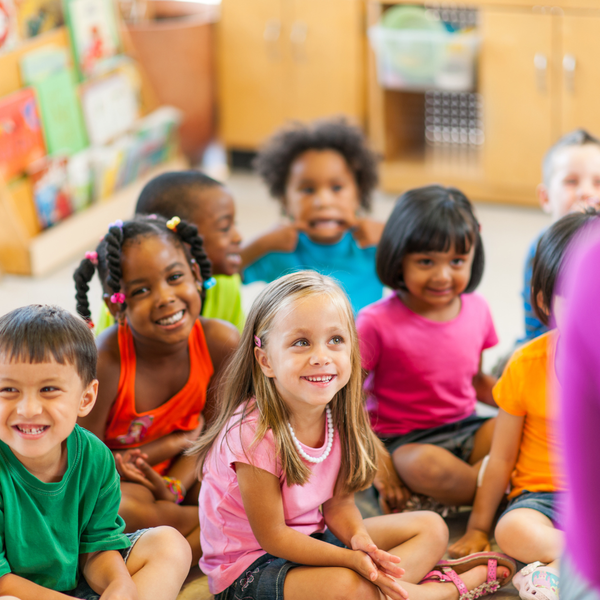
x: 38, y: 16
x: 21, y: 137
x: 51, y: 195
x: 8, y: 26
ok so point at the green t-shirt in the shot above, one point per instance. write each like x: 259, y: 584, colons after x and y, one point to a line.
x: 44, y: 527
x: 223, y: 301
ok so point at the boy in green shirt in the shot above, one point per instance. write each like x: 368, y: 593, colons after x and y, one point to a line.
x: 60, y: 532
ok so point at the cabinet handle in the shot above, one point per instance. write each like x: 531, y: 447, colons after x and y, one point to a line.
x: 569, y: 64
x: 298, y: 36
x: 271, y: 36
x: 540, y: 62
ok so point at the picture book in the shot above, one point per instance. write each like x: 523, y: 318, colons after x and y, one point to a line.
x: 21, y: 138
x: 38, y: 16
x: 8, y: 25
x: 51, y: 196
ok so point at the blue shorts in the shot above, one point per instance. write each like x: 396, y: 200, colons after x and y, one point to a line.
x: 264, y: 578
x: 83, y: 590
x: 458, y: 437
x: 547, y: 503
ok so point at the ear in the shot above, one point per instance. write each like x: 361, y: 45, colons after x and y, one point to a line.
x: 113, y: 309
x: 195, y: 270
x: 539, y: 300
x: 263, y: 362
x: 88, y: 399
x: 542, y: 195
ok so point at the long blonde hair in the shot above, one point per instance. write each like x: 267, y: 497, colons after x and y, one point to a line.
x: 244, y: 379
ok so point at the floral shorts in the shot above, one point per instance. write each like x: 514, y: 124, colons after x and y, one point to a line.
x: 264, y: 578
x: 83, y: 590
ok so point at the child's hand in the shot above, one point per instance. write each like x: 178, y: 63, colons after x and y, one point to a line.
x: 473, y: 541
x: 367, y: 232
x: 121, y: 590
x: 378, y: 566
x: 393, y: 494
x: 130, y: 456
x: 141, y: 472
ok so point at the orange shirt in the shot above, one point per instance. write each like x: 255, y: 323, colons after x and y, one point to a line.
x: 127, y: 428
x: 526, y: 389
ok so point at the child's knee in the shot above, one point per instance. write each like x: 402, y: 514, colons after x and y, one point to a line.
x: 508, y: 530
x: 349, y: 585
x: 424, y: 466
x: 436, y: 529
x: 165, y: 544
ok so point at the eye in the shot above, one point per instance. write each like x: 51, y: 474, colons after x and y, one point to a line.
x: 308, y: 190
x: 571, y: 181
x: 225, y: 229
x: 175, y: 276
x: 139, y: 291
x: 457, y: 262
x: 48, y: 389
x: 426, y: 262
x: 337, y: 187
x: 300, y: 343
x: 8, y: 390
x: 337, y: 339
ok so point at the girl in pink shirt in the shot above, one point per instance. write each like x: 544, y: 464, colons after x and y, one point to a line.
x: 422, y: 348
x: 282, y: 461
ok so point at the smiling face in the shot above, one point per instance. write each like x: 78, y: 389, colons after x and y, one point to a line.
x: 161, y: 291
x: 321, y: 194
x: 574, y: 183
x: 308, y: 353
x: 215, y: 219
x: 39, y: 406
x: 435, y: 280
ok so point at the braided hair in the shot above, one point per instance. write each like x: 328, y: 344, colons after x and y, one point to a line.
x: 107, y: 257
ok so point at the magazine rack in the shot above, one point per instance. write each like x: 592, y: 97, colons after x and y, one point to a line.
x: 24, y: 249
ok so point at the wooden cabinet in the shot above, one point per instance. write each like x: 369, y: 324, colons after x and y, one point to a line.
x: 538, y: 76
x: 288, y: 59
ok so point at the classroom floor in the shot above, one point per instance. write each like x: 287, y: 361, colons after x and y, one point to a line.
x: 506, y: 230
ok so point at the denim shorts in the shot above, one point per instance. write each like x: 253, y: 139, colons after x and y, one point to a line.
x: 83, y: 590
x: 264, y: 578
x: 547, y: 503
x: 458, y: 437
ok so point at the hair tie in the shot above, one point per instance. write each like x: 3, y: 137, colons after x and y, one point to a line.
x: 172, y: 223
x: 209, y: 283
x: 257, y: 342
x: 152, y: 216
x: 176, y: 488
x: 92, y: 257
x: 118, y: 223
x: 118, y: 298
x: 90, y: 323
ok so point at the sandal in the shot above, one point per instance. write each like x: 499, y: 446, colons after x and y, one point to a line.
x: 445, y: 573
x: 460, y: 565
x: 537, y: 582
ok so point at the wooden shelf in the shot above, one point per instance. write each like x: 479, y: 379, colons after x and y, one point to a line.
x: 24, y: 255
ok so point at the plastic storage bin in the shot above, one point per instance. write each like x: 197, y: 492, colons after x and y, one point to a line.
x: 425, y: 60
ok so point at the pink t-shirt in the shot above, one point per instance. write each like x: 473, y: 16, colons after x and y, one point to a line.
x: 228, y: 544
x: 421, y: 371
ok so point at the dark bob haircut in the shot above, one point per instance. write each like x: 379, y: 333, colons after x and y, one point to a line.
x: 274, y: 161
x: 175, y: 193
x: 429, y: 219
x: 549, y: 257
x: 42, y: 333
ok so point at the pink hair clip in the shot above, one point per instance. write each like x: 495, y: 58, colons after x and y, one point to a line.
x: 118, y: 223
x: 118, y: 298
x: 153, y: 217
x: 257, y: 342
x: 92, y: 257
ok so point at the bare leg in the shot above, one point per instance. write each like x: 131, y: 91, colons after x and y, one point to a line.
x: 159, y: 563
x: 482, y: 442
x: 140, y: 509
x: 528, y: 535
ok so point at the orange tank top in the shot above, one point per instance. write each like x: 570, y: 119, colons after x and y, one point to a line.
x: 126, y: 428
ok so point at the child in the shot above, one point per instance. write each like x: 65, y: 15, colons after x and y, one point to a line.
x: 578, y: 357
x: 422, y: 348
x: 525, y: 441
x: 155, y: 367
x: 206, y: 203
x: 571, y: 173
x: 61, y: 535
x: 322, y: 175
x: 292, y: 436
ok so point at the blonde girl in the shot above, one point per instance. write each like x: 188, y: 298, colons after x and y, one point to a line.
x: 292, y: 435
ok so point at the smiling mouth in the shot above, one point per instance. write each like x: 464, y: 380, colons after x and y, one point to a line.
x: 172, y: 319
x: 326, y: 223
x: 31, y: 429
x: 234, y: 258
x: 319, y: 378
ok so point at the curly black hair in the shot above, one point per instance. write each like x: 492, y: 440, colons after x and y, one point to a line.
x: 274, y: 161
x: 108, y: 255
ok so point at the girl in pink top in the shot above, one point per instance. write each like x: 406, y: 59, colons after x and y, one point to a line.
x: 422, y: 348
x: 284, y: 457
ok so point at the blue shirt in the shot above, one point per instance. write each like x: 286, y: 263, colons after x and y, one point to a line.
x: 352, y: 266
x: 533, y: 326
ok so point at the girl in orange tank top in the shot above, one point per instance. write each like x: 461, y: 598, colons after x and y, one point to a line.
x: 158, y: 367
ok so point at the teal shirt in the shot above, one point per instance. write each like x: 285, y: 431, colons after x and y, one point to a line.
x: 44, y: 527
x: 352, y: 266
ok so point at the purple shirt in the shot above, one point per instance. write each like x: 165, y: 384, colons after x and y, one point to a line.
x: 579, y: 375
x: 421, y: 371
x: 228, y: 543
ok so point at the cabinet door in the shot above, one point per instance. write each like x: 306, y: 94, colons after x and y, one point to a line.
x: 580, y: 73
x: 251, y: 71
x: 518, y: 84
x: 327, y: 57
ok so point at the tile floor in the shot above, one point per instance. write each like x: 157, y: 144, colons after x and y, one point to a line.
x: 506, y: 231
